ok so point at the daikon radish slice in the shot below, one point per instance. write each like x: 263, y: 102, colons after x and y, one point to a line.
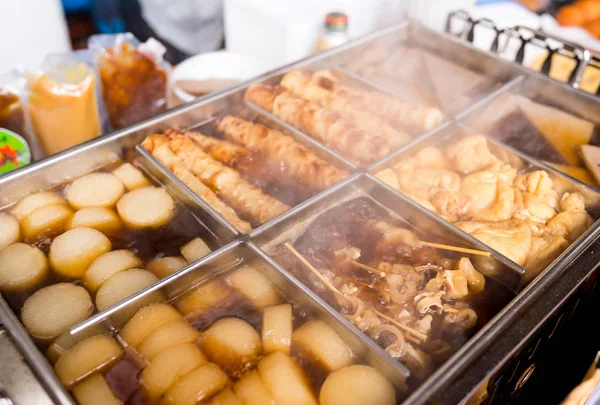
x: 95, y: 390
x: 46, y: 221
x: 169, y: 366
x: 88, y: 356
x: 123, y: 285
x: 52, y: 310
x: 10, y: 230
x: 95, y: 190
x: 107, y: 265
x: 146, y: 207
x: 102, y: 219
x: 146, y: 320
x: 255, y: 286
x: 357, y: 385
x: 72, y: 252
x: 252, y: 391
x: 21, y: 267
x: 165, y: 266
x: 285, y: 380
x: 203, y: 297
x: 165, y: 336
x: 131, y: 176
x: 323, y: 344
x: 196, y: 386
x: 277, y: 328
x: 195, y: 250
x: 34, y: 201
x: 225, y: 397
x: 233, y: 344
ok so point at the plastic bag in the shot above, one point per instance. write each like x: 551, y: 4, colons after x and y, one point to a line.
x: 62, y: 102
x: 18, y: 146
x: 134, y: 77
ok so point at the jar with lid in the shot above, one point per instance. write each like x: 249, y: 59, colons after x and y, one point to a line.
x: 335, y: 32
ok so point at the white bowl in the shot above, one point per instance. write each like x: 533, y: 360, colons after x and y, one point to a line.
x: 222, y: 67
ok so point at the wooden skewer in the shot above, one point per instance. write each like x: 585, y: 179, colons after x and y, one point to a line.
x: 412, y: 339
x: 456, y: 249
x: 321, y: 277
x: 370, y: 269
x: 408, y: 329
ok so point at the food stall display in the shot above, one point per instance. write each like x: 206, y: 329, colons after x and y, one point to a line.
x: 338, y: 231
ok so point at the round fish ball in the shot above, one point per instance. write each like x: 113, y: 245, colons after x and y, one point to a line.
x: 10, y: 231
x: 21, y: 267
x: 95, y: 190
x: 52, y: 310
x: 34, y: 201
x: 72, y: 252
x: 102, y: 219
x: 146, y: 207
x: 123, y: 285
x: 357, y: 385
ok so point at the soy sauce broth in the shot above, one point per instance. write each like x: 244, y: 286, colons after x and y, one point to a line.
x: 147, y: 244
x: 347, y: 225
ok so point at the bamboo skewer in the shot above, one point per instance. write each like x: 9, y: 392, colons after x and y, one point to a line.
x: 325, y: 281
x: 316, y: 272
x: 370, y: 269
x: 405, y: 328
x: 456, y: 249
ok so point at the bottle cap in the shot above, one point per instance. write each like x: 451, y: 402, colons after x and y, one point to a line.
x: 336, y: 21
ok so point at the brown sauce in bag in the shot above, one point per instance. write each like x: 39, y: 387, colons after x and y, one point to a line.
x: 134, y: 87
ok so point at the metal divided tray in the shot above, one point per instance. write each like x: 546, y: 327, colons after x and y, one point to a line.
x: 489, y: 349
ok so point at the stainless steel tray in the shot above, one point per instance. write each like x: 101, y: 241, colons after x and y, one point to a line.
x: 476, y: 361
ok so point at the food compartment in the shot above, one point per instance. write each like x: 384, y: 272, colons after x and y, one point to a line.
x: 342, y: 111
x: 407, y: 281
x: 244, y: 333
x: 429, y: 70
x: 92, y: 242
x: 558, y: 127
x: 247, y: 167
x: 528, y: 212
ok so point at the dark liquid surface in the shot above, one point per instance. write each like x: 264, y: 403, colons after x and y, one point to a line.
x: 147, y: 244
x: 124, y: 377
x: 347, y: 225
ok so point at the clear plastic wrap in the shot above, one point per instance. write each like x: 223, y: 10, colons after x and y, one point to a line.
x: 62, y: 103
x: 134, y: 77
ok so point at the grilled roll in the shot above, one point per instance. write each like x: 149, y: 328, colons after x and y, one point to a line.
x: 247, y: 199
x: 396, y: 111
x: 158, y: 146
x: 340, y: 103
x: 321, y: 124
x: 306, y: 167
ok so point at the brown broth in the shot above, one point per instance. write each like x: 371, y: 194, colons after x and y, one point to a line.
x: 148, y: 244
x: 348, y: 224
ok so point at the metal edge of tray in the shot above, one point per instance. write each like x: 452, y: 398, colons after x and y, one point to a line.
x: 430, y: 38
x: 215, y: 223
x: 394, y: 370
x: 536, y: 288
x: 85, y: 154
x: 511, y: 272
x: 350, y: 190
x: 33, y: 356
x: 245, y: 253
x: 535, y: 308
x: 453, y: 131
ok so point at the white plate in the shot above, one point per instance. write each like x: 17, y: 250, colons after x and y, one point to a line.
x: 220, y: 65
